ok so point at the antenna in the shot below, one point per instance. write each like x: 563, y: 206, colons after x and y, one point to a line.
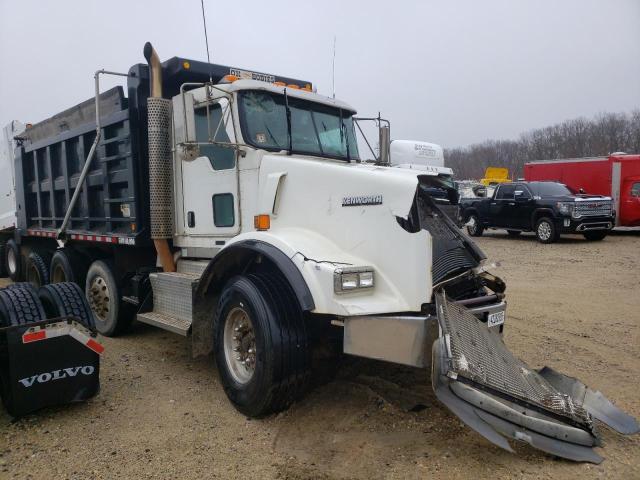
x: 333, y: 69
x: 206, y: 40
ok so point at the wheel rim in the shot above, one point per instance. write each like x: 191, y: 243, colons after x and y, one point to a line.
x: 544, y: 231
x: 57, y: 275
x: 33, y: 276
x: 240, y: 345
x: 99, y: 298
x: 472, y: 224
x: 12, y: 261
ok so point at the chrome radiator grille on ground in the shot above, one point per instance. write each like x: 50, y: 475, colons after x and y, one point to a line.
x: 480, y: 356
x: 592, y: 209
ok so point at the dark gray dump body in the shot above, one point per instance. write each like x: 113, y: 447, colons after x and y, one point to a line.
x: 49, y: 162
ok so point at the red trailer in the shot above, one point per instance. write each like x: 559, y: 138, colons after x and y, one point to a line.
x: 617, y: 176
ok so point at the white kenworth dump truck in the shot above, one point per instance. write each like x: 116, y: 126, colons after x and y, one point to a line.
x: 232, y: 206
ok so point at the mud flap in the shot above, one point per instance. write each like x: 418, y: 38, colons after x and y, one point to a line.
x: 500, y: 397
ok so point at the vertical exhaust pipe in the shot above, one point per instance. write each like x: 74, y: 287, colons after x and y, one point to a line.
x: 160, y: 162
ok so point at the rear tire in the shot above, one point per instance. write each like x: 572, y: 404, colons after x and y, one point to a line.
x: 474, y: 228
x: 68, y: 266
x: 66, y: 300
x: 595, y: 235
x: 3, y: 267
x: 13, y: 260
x: 37, y: 268
x: 514, y: 233
x: 546, y: 231
x: 103, y: 294
x: 260, y: 312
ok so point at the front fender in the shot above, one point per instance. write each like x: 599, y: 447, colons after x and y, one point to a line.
x: 402, y: 277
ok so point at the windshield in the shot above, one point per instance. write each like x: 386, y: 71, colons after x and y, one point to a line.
x: 316, y: 129
x: 549, y: 189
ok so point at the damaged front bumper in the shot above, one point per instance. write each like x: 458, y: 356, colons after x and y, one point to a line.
x: 499, y: 396
x: 476, y: 376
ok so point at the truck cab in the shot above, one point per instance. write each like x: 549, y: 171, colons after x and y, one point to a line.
x: 548, y: 209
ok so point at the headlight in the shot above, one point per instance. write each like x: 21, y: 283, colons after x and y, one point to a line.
x: 565, y: 208
x: 347, y: 279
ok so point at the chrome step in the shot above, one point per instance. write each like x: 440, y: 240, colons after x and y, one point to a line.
x: 166, y: 322
x: 172, y: 301
x: 192, y: 267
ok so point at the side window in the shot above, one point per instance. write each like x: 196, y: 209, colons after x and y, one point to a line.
x: 215, y: 129
x: 635, y: 189
x: 505, y: 192
x: 522, y: 191
x: 223, y: 215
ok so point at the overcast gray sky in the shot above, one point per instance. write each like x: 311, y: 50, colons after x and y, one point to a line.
x: 453, y: 73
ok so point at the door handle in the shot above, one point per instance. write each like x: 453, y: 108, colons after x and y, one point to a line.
x: 512, y: 203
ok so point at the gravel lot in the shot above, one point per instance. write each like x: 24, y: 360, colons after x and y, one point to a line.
x: 573, y: 305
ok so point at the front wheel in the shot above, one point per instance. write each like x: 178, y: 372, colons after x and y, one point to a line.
x: 595, y: 235
x: 546, y: 231
x: 260, y: 344
x: 474, y: 228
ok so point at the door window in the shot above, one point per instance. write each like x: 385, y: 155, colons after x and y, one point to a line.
x: 522, y: 191
x: 214, y: 129
x: 223, y: 215
x: 505, y: 192
x: 635, y: 189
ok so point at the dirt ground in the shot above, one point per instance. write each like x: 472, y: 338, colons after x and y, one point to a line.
x: 573, y: 305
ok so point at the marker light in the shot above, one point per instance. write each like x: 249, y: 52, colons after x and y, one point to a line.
x: 186, y: 65
x: 229, y: 78
x: 262, y: 222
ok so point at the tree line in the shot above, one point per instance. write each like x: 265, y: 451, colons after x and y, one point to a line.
x: 580, y: 137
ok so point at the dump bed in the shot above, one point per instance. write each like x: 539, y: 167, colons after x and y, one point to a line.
x: 48, y: 166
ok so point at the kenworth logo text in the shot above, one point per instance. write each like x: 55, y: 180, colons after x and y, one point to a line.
x: 362, y: 200
x: 56, y: 375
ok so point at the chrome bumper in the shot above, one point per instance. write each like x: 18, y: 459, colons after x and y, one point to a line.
x: 404, y: 339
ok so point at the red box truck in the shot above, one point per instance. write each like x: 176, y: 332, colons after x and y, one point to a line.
x: 617, y: 176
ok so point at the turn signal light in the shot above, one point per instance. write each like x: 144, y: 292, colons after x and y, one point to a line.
x: 262, y: 222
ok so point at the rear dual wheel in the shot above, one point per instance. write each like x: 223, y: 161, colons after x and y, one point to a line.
x: 103, y: 292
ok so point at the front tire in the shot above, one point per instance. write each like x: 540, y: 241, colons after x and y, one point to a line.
x: 474, y: 228
x: 595, y: 235
x: 260, y: 344
x: 546, y: 231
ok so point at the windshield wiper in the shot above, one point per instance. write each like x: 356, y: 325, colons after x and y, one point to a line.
x: 288, y: 110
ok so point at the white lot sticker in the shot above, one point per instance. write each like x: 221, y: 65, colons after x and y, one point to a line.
x: 495, y: 319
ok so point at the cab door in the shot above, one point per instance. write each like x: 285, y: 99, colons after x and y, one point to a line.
x: 210, y: 180
x: 522, y: 209
x: 499, y: 205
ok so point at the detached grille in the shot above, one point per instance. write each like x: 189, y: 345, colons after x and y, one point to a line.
x: 482, y: 358
x: 596, y: 208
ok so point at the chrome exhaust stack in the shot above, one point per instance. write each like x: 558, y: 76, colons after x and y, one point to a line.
x: 160, y: 162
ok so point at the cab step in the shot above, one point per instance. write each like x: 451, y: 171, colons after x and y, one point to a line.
x: 166, y: 322
x: 173, y: 294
